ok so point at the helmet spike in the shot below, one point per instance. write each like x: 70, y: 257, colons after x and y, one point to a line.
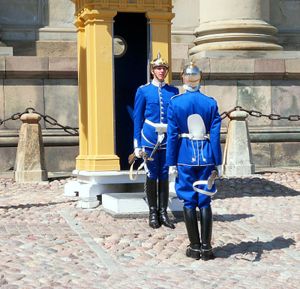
x: 159, y: 61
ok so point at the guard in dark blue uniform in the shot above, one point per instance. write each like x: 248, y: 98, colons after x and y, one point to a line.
x: 150, y: 127
x: 194, y: 154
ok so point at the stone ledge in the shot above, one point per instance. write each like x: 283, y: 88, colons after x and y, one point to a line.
x: 9, y: 138
x: 213, y: 68
x: 48, y: 141
x: 269, y: 69
x: 250, y: 54
x: 177, y: 67
x: 62, y: 67
x: 231, y: 68
x: 26, y: 67
x: 61, y: 138
x: 246, y: 68
x: 292, y: 68
x: 38, y: 67
x: 204, y: 65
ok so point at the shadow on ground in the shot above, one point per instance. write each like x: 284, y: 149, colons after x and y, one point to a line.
x: 252, y: 251
x: 178, y: 217
x: 251, y: 187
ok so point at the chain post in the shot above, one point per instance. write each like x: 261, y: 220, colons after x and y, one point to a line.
x: 47, y: 118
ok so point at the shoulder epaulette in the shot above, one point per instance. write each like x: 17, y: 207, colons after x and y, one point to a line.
x: 177, y: 95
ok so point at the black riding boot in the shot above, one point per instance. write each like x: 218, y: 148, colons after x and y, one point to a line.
x: 206, y: 232
x: 163, y: 192
x: 151, y: 193
x: 191, y: 223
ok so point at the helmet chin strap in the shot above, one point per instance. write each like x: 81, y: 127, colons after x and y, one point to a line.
x: 190, y: 88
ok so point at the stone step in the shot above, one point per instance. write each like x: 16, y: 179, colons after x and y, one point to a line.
x: 134, y: 203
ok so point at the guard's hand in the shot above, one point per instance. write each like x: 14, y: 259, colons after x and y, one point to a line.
x: 220, y: 170
x: 173, y: 171
x: 138, y: 152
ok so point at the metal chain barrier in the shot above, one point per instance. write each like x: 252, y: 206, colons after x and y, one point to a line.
x: 47, y: 118
x: 74, y: 131
x: 255, y: 113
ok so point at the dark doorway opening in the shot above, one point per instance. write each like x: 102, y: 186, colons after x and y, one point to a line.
x: 130, y: 67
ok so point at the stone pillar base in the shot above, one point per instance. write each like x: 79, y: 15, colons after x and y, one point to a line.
x: 30, y: 159
x: 88, y: 203
x: 237, y: 152
x: 87, y: 193
x: 239, y: 34
x: 239, y: 170
x: 31, y: 176
x: 90, y: 185
x: 248, y: 54
x: 120, y: 196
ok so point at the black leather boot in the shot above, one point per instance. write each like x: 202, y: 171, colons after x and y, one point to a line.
x: 151, y: 193
x: 163, y: 192
x: 191, y: 223
x: 206, y: 232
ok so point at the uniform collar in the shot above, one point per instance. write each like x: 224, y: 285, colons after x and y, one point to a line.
x: 158, y: 83
x: 191, y: 89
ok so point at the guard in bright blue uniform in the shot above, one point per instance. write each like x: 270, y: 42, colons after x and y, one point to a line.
x: 150, y: 127
x: 194, y: 153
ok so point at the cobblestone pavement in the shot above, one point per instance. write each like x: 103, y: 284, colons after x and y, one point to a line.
x: 47, y: 242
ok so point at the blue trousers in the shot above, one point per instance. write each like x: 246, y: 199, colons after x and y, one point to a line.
x: 187, y: 175
x: 157, y: 169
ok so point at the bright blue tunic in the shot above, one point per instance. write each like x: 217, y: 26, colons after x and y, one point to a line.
x: 151, y: 102
x: 195, y: 159
x: 150, y: 108
x: 186, y: 152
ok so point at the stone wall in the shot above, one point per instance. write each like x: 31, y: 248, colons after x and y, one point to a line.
x: 45, y: 27
x: 284, y: 15
x: 261, y: 84
x: 39, y: 27
x: 49, y: 84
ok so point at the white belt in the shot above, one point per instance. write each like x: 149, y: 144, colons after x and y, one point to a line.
x: 159, y: 127
x: 192, y: 137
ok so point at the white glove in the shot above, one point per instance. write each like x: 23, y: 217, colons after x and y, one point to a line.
x: 173, y: 170
x: 138, y: 152
x: 220, y: 170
